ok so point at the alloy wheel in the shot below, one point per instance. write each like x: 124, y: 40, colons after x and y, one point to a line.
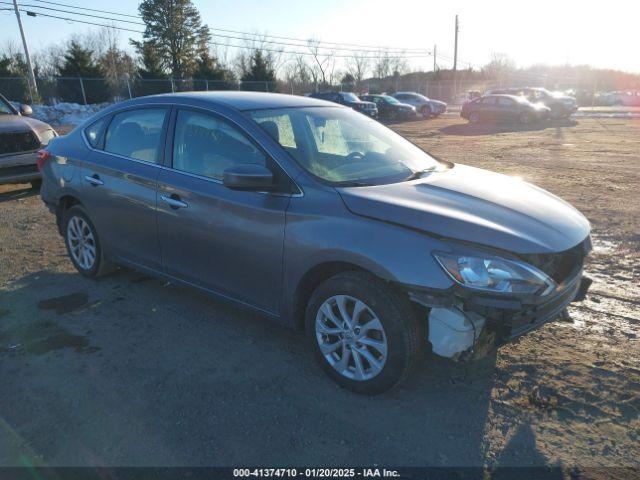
x: 351, y: 337
x: 81, y: 241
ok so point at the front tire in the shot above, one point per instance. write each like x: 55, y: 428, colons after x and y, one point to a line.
x: 364, y: 334
x: 474, y: 117
x: 426, y: 111
x: 83, y: 245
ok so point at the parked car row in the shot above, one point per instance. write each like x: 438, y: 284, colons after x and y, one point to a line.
x: 399, y: 106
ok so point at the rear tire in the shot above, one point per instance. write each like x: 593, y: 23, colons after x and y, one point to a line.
x: 380, y: 335
x: 83, y: 245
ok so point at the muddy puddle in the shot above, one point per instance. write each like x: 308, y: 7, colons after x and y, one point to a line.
x: 41, y: 338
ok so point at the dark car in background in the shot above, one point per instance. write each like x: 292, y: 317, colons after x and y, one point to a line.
x: 503, y: 108
x: 560, y: 105
x: 350, y: 100
x: 391, y: 108
x: 319, y: 218
x: 20, y: 139
x: 427, y: 107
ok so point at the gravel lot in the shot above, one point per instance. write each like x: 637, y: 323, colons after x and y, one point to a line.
x: 131, y: 370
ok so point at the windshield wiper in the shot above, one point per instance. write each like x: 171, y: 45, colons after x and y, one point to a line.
x: 418, y: 174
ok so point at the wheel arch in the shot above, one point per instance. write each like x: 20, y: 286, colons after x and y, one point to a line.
x: 314, y: 277
x: 65, y: 202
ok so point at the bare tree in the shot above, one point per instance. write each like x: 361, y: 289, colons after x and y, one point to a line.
x: 324, y: 63
x: 358, y: 66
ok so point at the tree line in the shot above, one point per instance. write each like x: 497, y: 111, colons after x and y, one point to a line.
x: 177, y: 46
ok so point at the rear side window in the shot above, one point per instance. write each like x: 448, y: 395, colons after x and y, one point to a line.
x: 94, y: 132
x: 136, y: 134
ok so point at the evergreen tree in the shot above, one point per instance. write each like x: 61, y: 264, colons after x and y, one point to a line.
x: 207, y: 65
x: 259, y: 70
x: 78, y: 61
x: 172, y: 31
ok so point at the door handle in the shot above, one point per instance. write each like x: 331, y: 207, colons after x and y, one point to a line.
x: 174, y: 201
x: 94, y: 180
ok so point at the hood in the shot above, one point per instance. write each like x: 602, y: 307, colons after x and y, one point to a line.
x: 18, y: 123
x: 477, y: 206
x: 438, y: 102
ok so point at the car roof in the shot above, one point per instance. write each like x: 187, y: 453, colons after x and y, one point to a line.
x: 242, y: 100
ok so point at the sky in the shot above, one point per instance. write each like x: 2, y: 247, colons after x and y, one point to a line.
x: 602, y: 34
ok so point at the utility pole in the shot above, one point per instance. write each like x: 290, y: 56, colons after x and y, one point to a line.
x: 33, y: 88
x: 455, y: 60
x: 435, y: 54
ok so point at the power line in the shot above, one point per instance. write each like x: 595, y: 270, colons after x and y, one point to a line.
x: 370, y: 48
x: 283, y: 51
x: 88, y: 9
x: 216, y: 35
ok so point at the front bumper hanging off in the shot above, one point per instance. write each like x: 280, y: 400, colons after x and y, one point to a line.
x: 509, y: 318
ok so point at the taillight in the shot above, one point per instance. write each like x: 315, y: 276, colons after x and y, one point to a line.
x: 43, y: 156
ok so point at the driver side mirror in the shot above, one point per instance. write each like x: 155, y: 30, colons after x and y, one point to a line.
x: 26, y: 110
x: 248, y: 177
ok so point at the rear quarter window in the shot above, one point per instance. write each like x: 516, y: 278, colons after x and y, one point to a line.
x: 93, y: 132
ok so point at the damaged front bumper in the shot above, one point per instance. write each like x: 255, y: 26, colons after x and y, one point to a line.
x: 459, y: 316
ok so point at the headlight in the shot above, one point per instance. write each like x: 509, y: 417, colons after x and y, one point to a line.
x: 495, y: 274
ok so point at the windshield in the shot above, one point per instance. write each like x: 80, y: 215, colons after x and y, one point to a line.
x: 344, y: 147
x: 389, y: 99
x: 349, y: 97
x: 5, y: 108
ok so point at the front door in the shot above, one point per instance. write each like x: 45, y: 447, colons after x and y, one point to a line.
x: 227, y: 241
x: 119, y: 184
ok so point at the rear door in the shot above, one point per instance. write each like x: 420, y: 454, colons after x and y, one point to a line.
x: 226, y: 241
x: 119, y: 184
x: 507, y: 108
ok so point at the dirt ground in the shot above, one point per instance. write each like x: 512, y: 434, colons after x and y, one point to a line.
x: 131, y: 370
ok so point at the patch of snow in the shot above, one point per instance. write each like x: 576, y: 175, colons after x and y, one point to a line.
x: 66, y: 113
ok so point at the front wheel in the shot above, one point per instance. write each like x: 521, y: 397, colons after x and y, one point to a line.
x: 364, y: 334
x: 426, y: 111
x: 83, y: 244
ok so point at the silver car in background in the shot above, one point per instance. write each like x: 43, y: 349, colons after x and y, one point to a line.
x: 427, y: 107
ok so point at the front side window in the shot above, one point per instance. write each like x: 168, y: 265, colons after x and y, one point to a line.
x: 205, y: 145
x: 136, y: 134
x: 505, y: 102
x: 343, y: 147
x: 5, y: 108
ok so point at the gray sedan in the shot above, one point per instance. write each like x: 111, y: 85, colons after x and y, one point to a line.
x: 319, y: 218
x: 20, y: 139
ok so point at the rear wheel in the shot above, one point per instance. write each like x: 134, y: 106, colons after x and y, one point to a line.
x: 83, y: 244
x: 365, y: 335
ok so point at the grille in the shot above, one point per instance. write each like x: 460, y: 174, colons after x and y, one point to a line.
x: 560, y: 266
x: 18, y: 142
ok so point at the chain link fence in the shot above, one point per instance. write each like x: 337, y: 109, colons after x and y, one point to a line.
x: 82, y: 90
